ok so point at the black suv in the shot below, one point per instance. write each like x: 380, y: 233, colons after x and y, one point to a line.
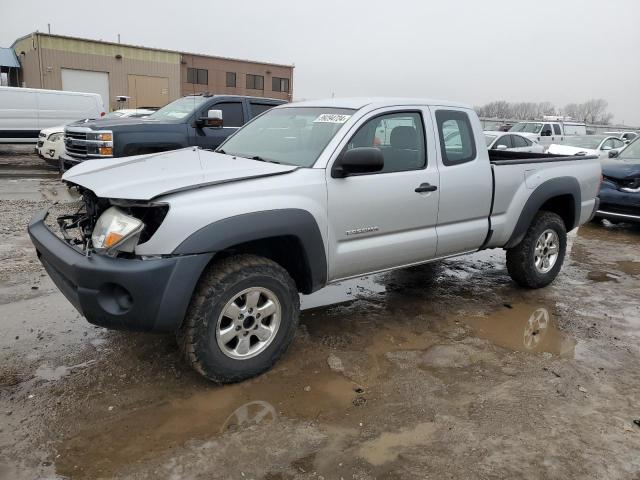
x: 195, y: 120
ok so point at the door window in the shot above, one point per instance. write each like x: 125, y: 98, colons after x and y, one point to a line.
x: 519, y: 142
x: 556, y: 129
x: 231, y: 113
x: 456, y: 137
x: 617, y: 143
x: 505, y: 140
x: 607, y: 144
x: 400, y: 136
x: 546, y: 130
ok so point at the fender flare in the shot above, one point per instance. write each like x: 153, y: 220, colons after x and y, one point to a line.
x: 545, y: 191
x: 226, y: 233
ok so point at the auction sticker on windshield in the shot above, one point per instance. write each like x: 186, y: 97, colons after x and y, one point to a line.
x: 331, y: 118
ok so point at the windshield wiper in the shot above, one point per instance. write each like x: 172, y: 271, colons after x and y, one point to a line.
x: 260, y: 159
x: 220, y: 151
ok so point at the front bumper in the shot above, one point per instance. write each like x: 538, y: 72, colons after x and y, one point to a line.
x: 130, y: 294
x: 618, y: 205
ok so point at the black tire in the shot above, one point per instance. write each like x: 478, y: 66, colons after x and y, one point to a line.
x: 521, y: 258
x: 219, y: 284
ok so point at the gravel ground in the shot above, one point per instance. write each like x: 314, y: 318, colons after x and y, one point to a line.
x: 443, y: 371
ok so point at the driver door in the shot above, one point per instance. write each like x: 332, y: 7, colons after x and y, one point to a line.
x: 378, y: 220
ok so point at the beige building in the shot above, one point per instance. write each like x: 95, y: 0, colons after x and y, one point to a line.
x: 148, y: 77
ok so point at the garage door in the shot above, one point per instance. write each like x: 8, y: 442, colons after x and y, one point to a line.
x: 86, y: 81
x: 146, y: 91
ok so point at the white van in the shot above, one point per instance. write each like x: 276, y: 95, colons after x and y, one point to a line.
x: 26, y: 111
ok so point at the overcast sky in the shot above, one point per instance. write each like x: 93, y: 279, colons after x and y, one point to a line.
x: 472, y: 51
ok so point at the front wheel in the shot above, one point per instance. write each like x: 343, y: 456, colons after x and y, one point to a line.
x: 537, y: 259
x: 242, y: 318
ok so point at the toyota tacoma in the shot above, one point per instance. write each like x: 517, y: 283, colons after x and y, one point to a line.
x: 216, y: 246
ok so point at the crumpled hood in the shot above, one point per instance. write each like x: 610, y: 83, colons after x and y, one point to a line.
x: 144, y: 177
x: 621, y: 169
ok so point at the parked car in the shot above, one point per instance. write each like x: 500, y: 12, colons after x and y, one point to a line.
x: 195, y: 120
x: 626, y: 137
x: 216, y: 245
x: 511, y: 141
x: 51, y: 140
x: 547, y: 133
x: 599, y: 145
x: 24, y: 112
x: 620, y: 190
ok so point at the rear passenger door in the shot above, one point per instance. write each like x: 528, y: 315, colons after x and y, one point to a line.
x: 233, y: 117
x: 378, y: 220
x: 466, y: 184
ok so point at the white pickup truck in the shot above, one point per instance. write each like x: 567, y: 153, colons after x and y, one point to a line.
x: 216, y: 246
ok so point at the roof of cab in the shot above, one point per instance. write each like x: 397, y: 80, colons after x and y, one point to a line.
x: 372, y: 102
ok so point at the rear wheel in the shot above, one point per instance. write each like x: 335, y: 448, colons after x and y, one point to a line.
x: 242, y: 318
x: 537, y: 259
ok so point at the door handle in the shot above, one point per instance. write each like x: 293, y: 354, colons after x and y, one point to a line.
x: 426, y: 187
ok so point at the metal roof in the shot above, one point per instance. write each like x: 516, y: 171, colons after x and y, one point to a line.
x: 8, y: 58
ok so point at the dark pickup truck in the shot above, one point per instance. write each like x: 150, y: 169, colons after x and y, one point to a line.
x: 195, y: 120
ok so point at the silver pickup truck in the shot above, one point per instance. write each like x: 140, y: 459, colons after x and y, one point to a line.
x: 216, y: 246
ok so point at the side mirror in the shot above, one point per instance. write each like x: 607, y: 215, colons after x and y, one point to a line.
x: 613, y: 153
x: 357, y: 161
x: 501, y: 147
x: 213, y: 119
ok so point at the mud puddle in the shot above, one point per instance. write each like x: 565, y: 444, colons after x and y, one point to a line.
x: 524, y: 328
x: 138, y: 434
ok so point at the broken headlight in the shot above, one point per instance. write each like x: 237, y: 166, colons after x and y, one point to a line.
x: 115, y: 230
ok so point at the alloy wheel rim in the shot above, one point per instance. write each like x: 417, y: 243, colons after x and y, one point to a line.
x: 248, y: 323
x: 546, y: 251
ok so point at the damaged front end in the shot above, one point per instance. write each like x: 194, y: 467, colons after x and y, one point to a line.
x: 110, y: 226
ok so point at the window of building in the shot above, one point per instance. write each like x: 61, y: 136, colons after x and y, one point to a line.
x: 400, y: 136
x: 455, y: 125
x: 255, y: 82
x: 280, y: 84
x: 231, y: 79
x: 198, y: 75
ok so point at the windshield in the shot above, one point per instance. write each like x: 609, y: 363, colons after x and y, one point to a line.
x: 526, y: 127
x: 583, y: 142
x: 631, y: 152
x: 489, y: 139
x: 179, y: 109
x: 290, y: 135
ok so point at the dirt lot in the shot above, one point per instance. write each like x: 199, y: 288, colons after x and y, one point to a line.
x: 442, y: 371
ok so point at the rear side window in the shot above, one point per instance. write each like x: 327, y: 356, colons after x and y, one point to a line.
x: 456, y: 137
x: 258, y: 108
x: 556, y: 129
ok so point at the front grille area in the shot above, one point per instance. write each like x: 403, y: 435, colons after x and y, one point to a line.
x: 75, y: 143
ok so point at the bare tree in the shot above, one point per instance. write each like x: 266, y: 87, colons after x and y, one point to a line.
x: 593, y: 111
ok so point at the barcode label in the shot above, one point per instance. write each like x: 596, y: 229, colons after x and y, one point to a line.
x: 331, y: 118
